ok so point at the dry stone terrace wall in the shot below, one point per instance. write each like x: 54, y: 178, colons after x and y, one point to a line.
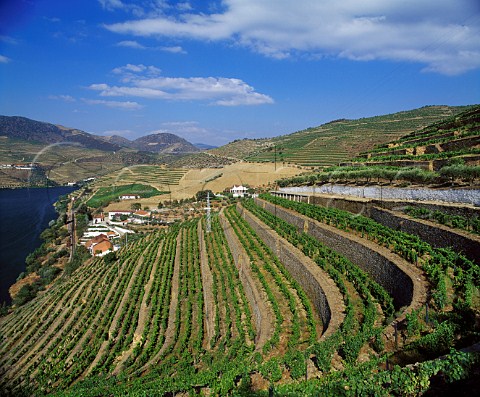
x: 363, y: 206
x: 435, y: 235
x: 262, y: 313
x: 402, y: 281
x: 380, y: 211
x: 318, y: 286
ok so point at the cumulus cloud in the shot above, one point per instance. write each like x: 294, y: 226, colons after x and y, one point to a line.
x: 112, y: 4
x: 442, y: 35
x: 4, y: 59
x: 114, y: 104
x: 194, y: 132
x: 173, y: 49
x: 130, y: 68
x: 131, y: 44
x: 188, y: 128
x: 136, y: 45
x: 145, y: 82
x: 65, y: 98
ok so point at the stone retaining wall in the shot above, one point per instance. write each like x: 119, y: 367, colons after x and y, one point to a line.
x: 263, y: 323
x: 401, y: 280
x: 435, y: 235
x: 363, y: 206
x: 319, y: 287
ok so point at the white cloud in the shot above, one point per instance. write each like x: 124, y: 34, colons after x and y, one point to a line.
x: 173, y: 49
x: 185, y: 6
x: 114, y: 104
x: 136, y: 45
x: 188, y: 128
x: 130, y: 68
x: 131, y: 44
x: 192, y: 131
x: 112, y: 4
x: 8, y: 40
x: 442, y: 35
x: 4, y: 59
x: 144, y: 82
x: 65, y: 98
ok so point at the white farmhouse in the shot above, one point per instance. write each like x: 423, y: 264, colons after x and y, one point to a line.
x: 117, y: 214
x: 129, y: 197
x: 238, y: 191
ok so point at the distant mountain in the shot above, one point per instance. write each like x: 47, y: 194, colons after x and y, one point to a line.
x: 21, y: 128
x: 204, y: 146
x: 117, y: 140
x: 164, y: 143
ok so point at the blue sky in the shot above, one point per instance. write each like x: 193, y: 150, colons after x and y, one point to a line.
x: 215, y: 71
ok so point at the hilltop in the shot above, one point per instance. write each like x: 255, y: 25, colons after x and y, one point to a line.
x: 160, y: 142
x: 22, y: 128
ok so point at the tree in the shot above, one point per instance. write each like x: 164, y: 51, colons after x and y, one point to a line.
x: 26, y: 293
x: 136, y: 206
x: 202, y: 195
x: 110, y: 258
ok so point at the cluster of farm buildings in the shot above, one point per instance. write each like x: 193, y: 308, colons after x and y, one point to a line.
x: 19, y: 166
x: 106, y: 229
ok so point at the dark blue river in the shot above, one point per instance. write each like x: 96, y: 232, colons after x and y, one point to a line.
x: 24, y: 214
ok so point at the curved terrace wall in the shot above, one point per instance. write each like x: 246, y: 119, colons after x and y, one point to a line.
x: 381, y: 211
x: 319, y: 287
x: 400, y: 279
x: 435, y: 235
x: 260, y: 309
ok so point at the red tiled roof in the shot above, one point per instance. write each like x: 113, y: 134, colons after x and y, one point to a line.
x: 103, y: 246
x: 96, y: 240
x: 141, y: 213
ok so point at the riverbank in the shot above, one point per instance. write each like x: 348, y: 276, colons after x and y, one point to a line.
x: 24, y: 214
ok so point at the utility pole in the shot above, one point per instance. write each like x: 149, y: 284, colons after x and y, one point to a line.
x: 209, y: 215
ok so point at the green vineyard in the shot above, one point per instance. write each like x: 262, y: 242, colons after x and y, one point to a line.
x: 331, y: 143
x: 265, y: 298
x: 154, y: 175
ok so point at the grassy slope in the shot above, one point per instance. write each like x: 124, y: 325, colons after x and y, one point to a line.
x: 106, y: 194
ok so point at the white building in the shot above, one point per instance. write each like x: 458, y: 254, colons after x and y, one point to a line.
x: 117, y: 214
x: 129, y: 197
x: 238, y: 191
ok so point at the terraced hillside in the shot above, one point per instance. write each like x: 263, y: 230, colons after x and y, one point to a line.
x: 63, y: 162
x: 155, y: 175
x: 331, y: 143
x: 279, y: 295
x: 444, y: 152
x: 456, y: 138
